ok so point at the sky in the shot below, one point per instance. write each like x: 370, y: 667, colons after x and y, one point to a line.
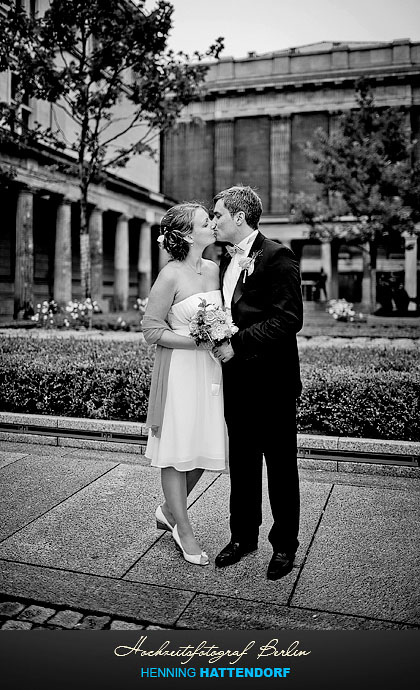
x: 264, y: 26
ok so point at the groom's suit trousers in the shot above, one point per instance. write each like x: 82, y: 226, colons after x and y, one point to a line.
x: 261, y: 419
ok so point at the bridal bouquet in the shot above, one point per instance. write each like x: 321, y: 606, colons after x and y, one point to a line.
x: 211, y: 324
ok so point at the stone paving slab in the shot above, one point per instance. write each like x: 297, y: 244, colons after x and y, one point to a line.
x: 42, y: 440
x: 365, y: 557
x: 210, y: 520
x: 33, y: 485
x: 352, y: 479
x: 226, y: 613
x: 6, y: 458
x: 100, y: 595
x: 316, y: 464
x: 106, y: 446
x: 108, y: 455
x: 379, y: 469
x: 29, y: 448
x: 103, y: 529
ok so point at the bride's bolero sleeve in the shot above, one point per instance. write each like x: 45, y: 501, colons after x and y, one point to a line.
x: 153, y: 328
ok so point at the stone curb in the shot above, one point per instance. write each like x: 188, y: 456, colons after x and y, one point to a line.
x: 75, y: 423
x: 139, y: 431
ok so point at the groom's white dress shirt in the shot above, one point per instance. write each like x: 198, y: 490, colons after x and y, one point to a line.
x: 233, y: 270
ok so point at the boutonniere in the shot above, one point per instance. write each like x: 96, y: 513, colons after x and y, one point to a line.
x: 247, y: 264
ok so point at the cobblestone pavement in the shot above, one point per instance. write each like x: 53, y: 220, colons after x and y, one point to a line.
x: 30, y: 615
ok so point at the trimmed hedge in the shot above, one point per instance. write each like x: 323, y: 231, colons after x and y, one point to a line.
x: 350, y: 391
x: 363, y: 392
x: 75, y: 378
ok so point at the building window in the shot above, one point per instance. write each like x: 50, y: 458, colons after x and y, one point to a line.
x: 24, y: 112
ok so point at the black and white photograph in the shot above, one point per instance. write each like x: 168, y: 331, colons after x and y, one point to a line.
x: 210, y: 319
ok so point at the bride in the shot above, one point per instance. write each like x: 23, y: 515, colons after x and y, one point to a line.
x: 187, y: 432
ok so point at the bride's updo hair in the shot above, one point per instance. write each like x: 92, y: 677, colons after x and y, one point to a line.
x: 175, y: 226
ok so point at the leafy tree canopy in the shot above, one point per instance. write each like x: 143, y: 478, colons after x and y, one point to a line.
x: 105, y: 64
x: 365, y: 171
x: 86, y: 57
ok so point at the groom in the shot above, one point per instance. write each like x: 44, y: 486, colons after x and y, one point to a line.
x: 260, y: 282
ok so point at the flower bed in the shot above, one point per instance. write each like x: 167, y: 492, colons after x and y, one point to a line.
x: 361, y: 392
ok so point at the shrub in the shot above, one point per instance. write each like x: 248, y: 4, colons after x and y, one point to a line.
x: 75, y: 378
x: 363, y: 392
x: 349, y: 391
x: 355, y: 404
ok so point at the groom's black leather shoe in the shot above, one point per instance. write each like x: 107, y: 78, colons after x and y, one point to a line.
x: 280, y: 565
x: 232, y: 553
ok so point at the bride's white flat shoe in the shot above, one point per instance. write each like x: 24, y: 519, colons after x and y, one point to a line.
x: 161, y: 521
x: 199, y: 559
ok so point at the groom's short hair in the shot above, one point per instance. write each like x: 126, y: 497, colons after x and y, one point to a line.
x: 241, y: 198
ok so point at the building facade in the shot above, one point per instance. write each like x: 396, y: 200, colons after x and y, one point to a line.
x: 39, y: 223
x: 249, y: 128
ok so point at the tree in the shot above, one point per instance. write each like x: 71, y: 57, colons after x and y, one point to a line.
x: 366, y: 172
x: 106, y: 66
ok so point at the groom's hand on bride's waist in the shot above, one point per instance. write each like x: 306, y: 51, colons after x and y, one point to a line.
x: 224, y: 352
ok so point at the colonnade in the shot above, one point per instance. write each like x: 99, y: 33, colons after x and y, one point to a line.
x: 24, y: 256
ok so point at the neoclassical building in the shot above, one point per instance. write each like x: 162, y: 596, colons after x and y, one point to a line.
x: 39, y: 222
x: 248, y: 128
x: 250, y: 125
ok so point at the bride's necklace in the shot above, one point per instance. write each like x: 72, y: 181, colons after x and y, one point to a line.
x: 194, y: 268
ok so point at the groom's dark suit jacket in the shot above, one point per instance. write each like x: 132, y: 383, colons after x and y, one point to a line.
x: 267, y: 308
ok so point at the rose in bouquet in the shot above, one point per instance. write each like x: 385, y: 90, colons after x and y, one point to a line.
x: 211, y: 325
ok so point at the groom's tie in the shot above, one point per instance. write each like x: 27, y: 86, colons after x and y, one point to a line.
x: 234, y: 250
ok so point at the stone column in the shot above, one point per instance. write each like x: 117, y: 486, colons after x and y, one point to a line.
x: 329, y: 258
x: 62, y: 259
x: 144, y: 264
x: 24, y: 264
x: 366, y: 278
x: 96, y: 253
x: 223, y: 155
x: 410, y: 268
x: 280, y: 165
x: 121, y: 264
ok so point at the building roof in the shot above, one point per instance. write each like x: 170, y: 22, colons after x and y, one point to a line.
x: 322, y: 47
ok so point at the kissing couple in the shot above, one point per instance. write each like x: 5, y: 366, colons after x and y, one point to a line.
x: 195, y: 425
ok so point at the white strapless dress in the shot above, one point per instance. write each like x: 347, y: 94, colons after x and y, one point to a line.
x: 193, y: 433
